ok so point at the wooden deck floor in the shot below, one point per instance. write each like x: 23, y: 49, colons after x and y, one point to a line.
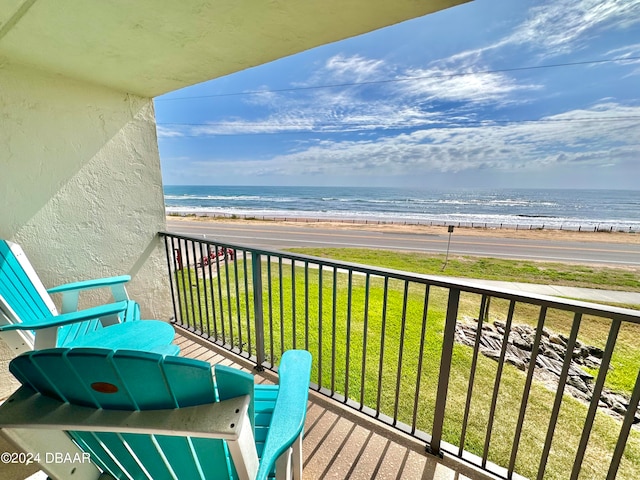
x: 340, y: 443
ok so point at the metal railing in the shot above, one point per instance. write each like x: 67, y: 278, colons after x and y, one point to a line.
x: 386, y: 343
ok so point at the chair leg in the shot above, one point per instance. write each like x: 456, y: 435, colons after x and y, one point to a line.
x: 283, y: 465
x: 297, y: 458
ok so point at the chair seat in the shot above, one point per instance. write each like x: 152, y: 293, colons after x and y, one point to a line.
x: 146, y: 335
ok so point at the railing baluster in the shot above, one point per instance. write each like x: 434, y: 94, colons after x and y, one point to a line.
x: 294, y: 318
x: 559, y: 392
x: 423, y: 331
x: 348, y: 339
x: 383, y: 327
x: 246, y: 299
x: 237, y: 287
x: 320, y: 288
x: 204, y: 290
x: 281, y: 306
x: 172, y: 276
x: 472, y: 375
x: 214, y: 316
x: 526, y: 391
x: 210, y: 293
x: 445, y: 370
x: 195, y: 273
x: 228, y: 286
x: 270, y: 293
x: 306, y: 305
x: 220, y: 297
x: 193, y: 305
x: 258, y: 314
x: 496, y: 385
x: 595, y: 399
x: 400, y: 350
x: 627, y: 423
x: 363, y: 371
x: 333, y: 329
x: 184, y: 313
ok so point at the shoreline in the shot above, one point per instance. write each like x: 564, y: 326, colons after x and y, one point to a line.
x: 507, y: 231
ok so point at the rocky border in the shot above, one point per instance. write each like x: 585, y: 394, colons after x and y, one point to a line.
x: 551, y: 355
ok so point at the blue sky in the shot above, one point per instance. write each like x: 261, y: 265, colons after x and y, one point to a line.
x: 492, y: 93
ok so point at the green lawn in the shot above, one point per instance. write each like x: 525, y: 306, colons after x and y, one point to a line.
x: 594, y: 331
x: 340, y: 337
x: 547, y: 273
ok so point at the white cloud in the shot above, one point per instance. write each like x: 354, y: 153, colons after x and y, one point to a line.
x: 453, y: 85
x: 557, y: 140
x: 563, y: 25
x: 429, y: 101
x: 354, y: 68
x: 165, y: 132
x: 630, y: 52
x: 406, y: 103
x: 557, y: 27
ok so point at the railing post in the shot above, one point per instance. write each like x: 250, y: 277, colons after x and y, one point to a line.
x: 258, y: 319
x: 445, y: 369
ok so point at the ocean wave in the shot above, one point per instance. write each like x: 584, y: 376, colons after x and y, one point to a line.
x: 214, y: 197
x: 499, y: 203
x: 229, y: 198
x: 449, y: 218
x: 508, y: 207
x: 397, y: 201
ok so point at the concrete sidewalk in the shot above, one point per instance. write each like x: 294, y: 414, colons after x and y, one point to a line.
x: 577, y: 293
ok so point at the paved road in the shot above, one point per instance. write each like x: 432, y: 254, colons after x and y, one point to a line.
x: 283, y: 236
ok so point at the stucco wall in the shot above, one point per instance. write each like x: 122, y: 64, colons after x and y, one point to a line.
x: 80, y: 184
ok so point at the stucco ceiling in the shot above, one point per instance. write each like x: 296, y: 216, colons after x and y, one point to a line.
x: 150, y: 47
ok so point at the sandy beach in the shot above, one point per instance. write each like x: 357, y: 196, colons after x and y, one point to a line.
x: 511, y: 232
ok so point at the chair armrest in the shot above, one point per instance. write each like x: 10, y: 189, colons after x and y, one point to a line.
x: 91, y: 284
x: 69, y: 318
x: 71, y: 291
x: 290, y: 409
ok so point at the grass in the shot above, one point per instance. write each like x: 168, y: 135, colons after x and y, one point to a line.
x: 298, y: 313
x: 594, y: 331
x: 547, y: 273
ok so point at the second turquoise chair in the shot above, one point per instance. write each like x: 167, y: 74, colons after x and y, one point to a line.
x: 29, y: 318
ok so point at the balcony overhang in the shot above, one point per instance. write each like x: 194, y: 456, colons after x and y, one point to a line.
x: 150, y: 47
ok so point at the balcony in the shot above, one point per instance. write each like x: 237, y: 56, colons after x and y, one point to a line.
x: 402, y: 384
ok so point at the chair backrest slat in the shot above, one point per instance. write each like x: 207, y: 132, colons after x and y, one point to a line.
x: 90, y: 444
x: 20, y: 287
x: 115, y: 450
x: 182, y: 458
x: 231, y: 383
x: 23, y: 297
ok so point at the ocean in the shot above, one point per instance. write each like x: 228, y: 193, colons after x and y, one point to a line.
x: 508, y: 208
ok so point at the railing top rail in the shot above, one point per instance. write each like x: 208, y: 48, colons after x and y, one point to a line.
x: 470, y: 286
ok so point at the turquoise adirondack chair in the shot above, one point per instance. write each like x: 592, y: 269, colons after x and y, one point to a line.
x: 139, y: 415
x: 29, y: 318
